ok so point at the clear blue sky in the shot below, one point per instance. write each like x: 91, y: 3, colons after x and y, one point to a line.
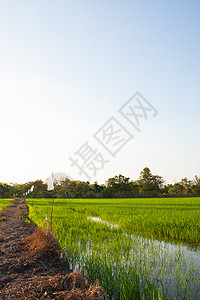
x: 66, y: 67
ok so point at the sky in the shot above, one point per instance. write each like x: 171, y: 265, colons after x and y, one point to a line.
x: 66, y: 69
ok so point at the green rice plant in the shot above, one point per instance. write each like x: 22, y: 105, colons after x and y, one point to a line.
x: 176, y: 218
x: 4, y: 203
x: 128, y: 266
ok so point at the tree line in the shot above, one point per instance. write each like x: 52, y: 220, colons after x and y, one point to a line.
x: 147, y: 185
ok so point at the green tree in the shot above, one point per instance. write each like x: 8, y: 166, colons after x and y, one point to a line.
x: 187, y: 186
x: 176, y: 189
x: 150, y: 184
x: 196, y: 186
x: 4, y: 190
x: 40, y: 190
x: 119, y: 186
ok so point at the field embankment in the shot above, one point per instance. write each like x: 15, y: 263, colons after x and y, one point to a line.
x: 31, y: 266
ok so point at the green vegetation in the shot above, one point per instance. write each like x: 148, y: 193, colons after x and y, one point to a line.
x: 3, y: 203
x: 177, y: 218
x: 128, y: 266
x: 147, y: 185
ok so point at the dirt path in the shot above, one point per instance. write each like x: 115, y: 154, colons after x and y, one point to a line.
x: 30, y: 263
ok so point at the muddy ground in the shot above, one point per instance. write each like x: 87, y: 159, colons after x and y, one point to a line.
x: 31, y: 266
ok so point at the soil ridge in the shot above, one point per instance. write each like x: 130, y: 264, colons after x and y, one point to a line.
x: 31, y: 266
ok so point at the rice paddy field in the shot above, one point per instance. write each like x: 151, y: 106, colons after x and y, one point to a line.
x: 3, y: 203
x: 137, y: 248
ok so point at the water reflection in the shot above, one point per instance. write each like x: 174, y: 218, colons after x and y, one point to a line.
x: 173, y: 267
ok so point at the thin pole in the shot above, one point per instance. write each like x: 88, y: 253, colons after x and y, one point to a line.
x: 51, y: 221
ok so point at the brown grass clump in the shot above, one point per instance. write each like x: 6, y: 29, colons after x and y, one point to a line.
x: 41, y: 244
x: 77, y: 287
